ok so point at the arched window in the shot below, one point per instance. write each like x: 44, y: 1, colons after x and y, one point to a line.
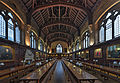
x: 2, y: 27
x: 32, y: 40
x: 17, y: 32
x: 86, y: 40
x: 77, y: 45
x: 111, y: 19
x: 109, y: 30
x: 41, y: 45
x: 10, y: 30
x: 108, y: 15
x: 8, y: 23
x: 101, y: 34
x: 10, y: 15
x: 117, y: 26
x: 59, y: 48
x: 34, y: 43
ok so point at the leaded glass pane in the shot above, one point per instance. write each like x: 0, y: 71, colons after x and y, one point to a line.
x: 117, y: 26
x: 10, y: 30
x: 2, y: 27
x: 59, y: 48
x: 101, y: 34
x: 109, y: 30
x: 17, y: 34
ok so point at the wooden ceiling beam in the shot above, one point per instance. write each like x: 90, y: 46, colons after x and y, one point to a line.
x: 78, y: 7
x: 58, y: 39
x: 58, y: 32
x: 58, y: 23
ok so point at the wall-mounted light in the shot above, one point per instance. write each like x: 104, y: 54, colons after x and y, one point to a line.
x: 27, y: 41
x: 68, y: 51
x: 91, y: 43
x: 79, y: 46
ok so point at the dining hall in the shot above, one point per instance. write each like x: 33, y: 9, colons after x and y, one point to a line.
x: 59, y: 41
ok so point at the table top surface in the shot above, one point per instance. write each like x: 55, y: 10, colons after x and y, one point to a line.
x: 10, y: 70
x: 38, y: 73
x: 79, y: 73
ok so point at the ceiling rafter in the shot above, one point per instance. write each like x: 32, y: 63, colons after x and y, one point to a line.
x: 59, y: 24
x: 76, y: 16
x: 59, y: 39
x: 38, y: 8
x: 59, y: 32
x: 54, y: 38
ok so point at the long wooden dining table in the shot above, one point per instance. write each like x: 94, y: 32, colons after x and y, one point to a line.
x: 39, y: 74
x: 79, y: 73
x: 107, y: 71
x: 12, y: 71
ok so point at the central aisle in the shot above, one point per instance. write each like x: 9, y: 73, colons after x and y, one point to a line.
x: 59, y: 74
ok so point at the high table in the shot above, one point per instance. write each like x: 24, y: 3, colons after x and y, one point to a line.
x: 38, y: 74
x: 80, y: 74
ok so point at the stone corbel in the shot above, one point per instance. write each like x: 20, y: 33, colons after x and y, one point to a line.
x: 90, y: 28
x: 28, y: 28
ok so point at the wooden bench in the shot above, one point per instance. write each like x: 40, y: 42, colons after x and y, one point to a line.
x: 68, y: 74
x: 49, y: 74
